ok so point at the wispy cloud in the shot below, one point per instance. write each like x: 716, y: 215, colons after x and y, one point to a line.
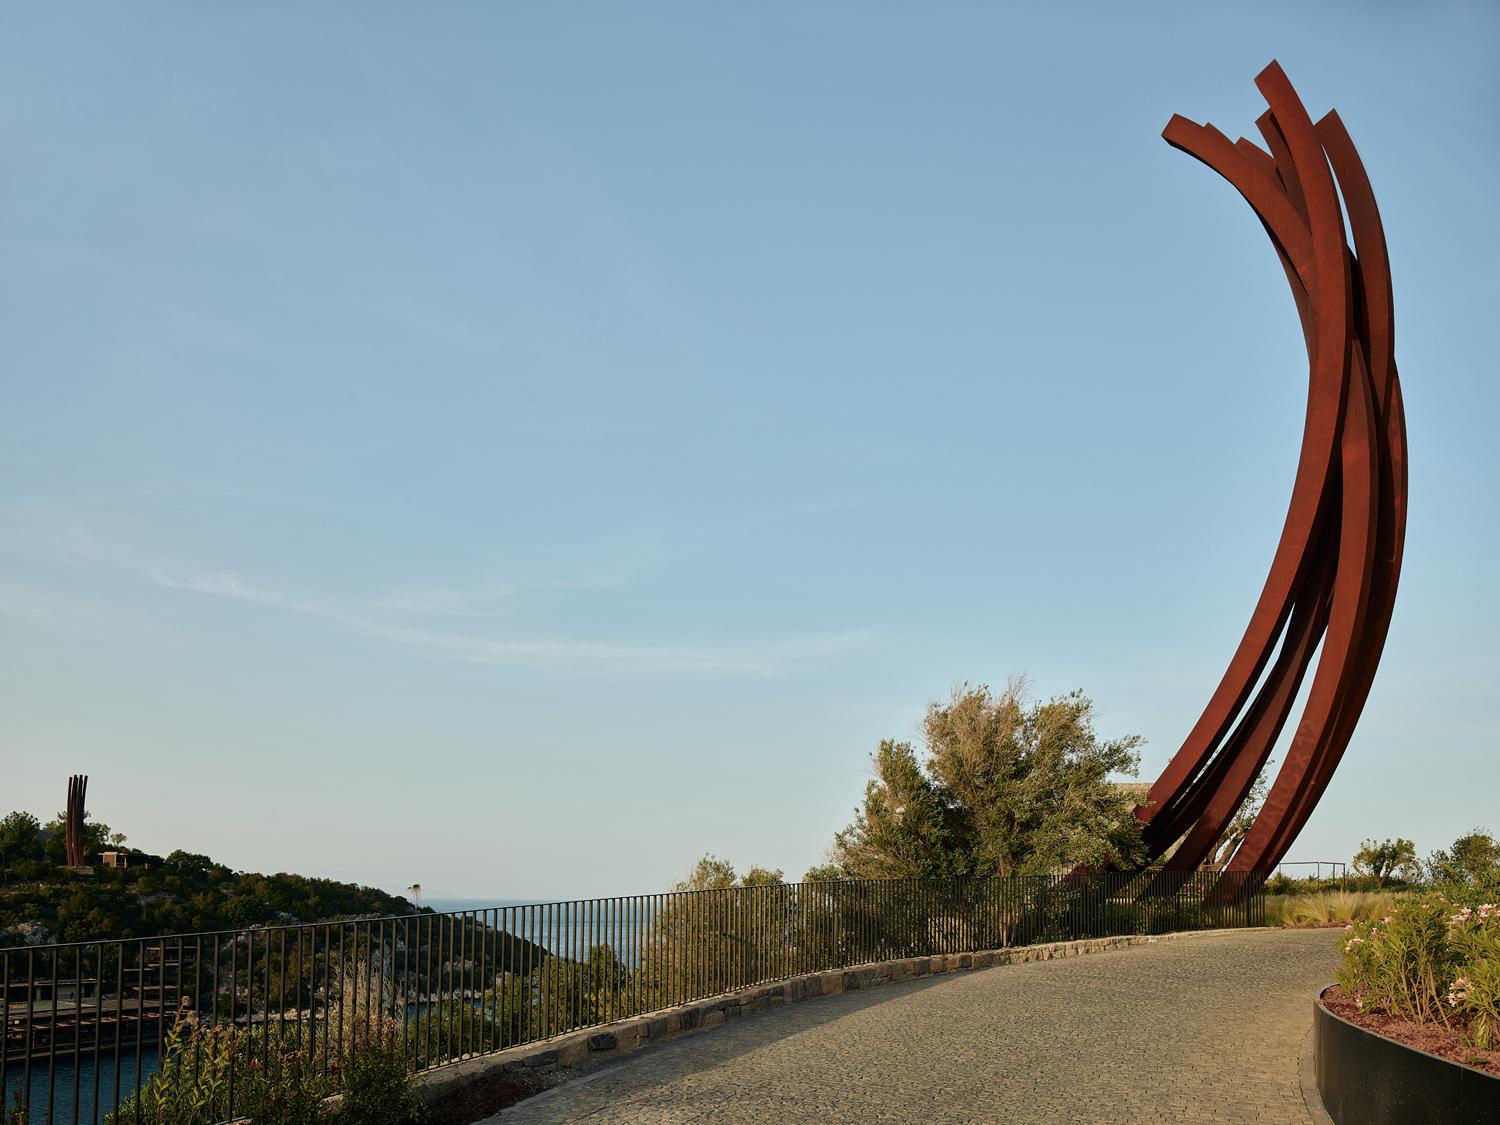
x: 486, y: 599
x: 467, y: 622
x: 767, y: 658
x: 228, y: 586
x: 391, y: 621
x: 491, y: 598
x: 80, y: 617
x: 754, y: 658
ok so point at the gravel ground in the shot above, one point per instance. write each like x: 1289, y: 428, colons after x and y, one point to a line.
x: 1207, y: 1029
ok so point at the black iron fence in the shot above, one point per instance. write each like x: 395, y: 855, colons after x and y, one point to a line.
x: 1315, y: 869
x: 131, y: 1031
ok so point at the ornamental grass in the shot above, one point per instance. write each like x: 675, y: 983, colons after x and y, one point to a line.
x: 1328, y: 908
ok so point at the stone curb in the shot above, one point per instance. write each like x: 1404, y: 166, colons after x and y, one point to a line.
x: 475, y: 1088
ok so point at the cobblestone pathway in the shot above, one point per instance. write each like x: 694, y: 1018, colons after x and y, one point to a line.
x: 1203, y: 1030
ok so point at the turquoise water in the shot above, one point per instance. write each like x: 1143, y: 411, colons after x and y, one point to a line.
x: 60, y: 1086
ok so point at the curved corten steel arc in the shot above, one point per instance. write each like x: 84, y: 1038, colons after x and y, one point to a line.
x: 1333, y: 577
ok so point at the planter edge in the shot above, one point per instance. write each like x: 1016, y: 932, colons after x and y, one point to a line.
x: 1367, y: 1079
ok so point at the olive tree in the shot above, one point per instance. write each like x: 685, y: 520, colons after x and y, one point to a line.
x: 1008, y: 786
x: 1387, y: 859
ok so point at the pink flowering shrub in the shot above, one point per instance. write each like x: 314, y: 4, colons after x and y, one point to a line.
x: 1429, y: 960
x: 1474, y: 993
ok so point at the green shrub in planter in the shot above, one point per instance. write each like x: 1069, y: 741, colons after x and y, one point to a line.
x: 1430, y: 960
x: 1474, y: 993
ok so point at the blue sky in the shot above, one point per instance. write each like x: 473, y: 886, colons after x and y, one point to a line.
x: 518, y: 448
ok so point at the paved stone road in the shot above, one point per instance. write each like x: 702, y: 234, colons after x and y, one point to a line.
x: 1206, y: 1029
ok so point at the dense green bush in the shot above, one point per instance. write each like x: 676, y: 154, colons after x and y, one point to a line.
x: 286, y: 1080
x: 1469, y: 871
x: 1281, y: 884
x: 376, y: 1083
x: 1431, y: 960
x: 1007, y: 786
x: 1474, y: 936
x: 450, y: 1030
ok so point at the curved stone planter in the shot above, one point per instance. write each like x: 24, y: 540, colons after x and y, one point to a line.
x: 1366, y: 1079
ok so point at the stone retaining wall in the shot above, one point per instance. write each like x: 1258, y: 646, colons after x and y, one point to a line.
x: 473, y: 1088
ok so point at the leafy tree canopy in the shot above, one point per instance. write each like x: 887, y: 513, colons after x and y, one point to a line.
x: 824, y: 872
x: 1387, y: 859
x: 711, y: 873
x: 906, y: 827
x: 1474, y: 860
x: 1007, y: 786
x: 21, y: 836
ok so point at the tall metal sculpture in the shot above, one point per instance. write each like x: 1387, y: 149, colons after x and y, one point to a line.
x: 1333, y: 577
x: 73, y: 824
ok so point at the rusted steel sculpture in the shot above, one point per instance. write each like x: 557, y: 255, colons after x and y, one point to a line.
x: 1333, y: 577
x: 73, y: 824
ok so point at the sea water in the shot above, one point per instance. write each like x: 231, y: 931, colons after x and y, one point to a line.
x: 58, y: 1086
x: 564, y: 930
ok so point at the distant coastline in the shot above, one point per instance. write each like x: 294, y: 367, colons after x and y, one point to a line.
x: 450, y: 905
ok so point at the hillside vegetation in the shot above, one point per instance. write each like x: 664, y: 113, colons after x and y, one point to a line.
x: 42, y: 901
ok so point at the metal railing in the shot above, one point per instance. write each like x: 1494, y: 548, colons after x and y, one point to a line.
x: 88, y: 1024
x: 1336, y: 868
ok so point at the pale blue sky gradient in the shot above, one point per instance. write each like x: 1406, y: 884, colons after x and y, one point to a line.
x: 520, y: 447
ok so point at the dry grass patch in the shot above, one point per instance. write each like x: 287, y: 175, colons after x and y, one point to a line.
x: 1328, y: 908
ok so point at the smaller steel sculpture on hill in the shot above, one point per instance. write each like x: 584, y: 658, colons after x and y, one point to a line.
x: 1333, y: 577
x: 73, y: 824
